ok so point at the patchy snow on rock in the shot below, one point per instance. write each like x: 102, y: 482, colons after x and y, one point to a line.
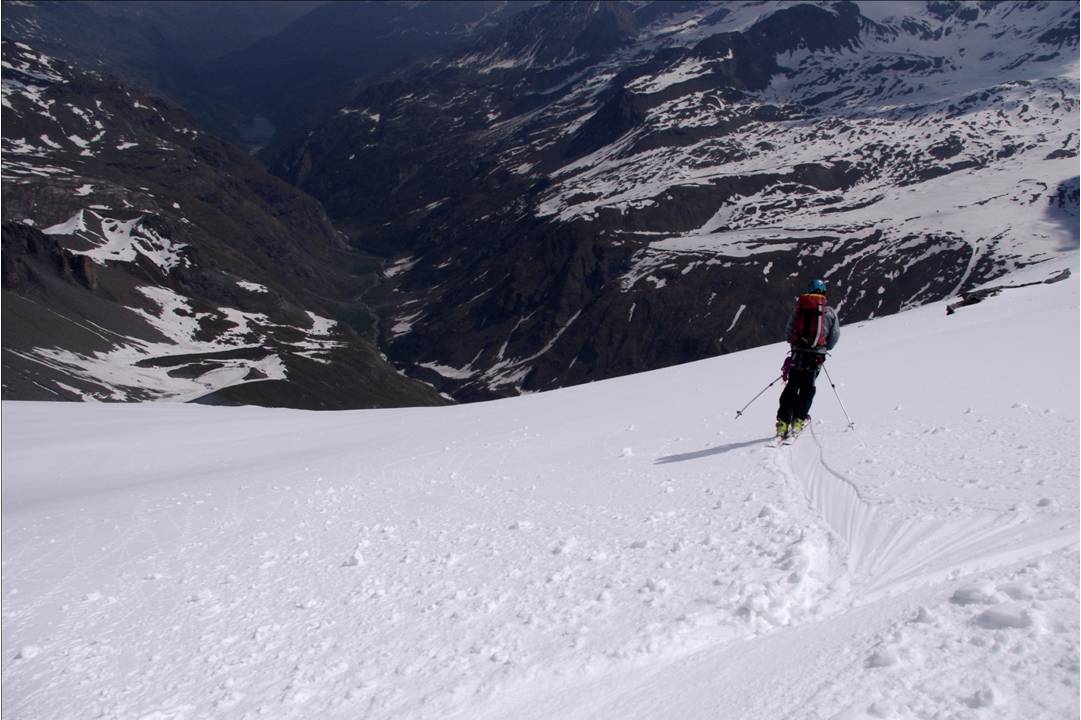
x: 687, y: 70
x: 72, y: 226
x: 17, y: 171
x: 19, y: 146
x: 404, y: 324
x: 513, y: 371
x: 252, y: 287
x: 321, y: 326
x: 136, y: 369
x: 735, y: 318
x: 400, y: 266
x: 449, y: 372
x: 318, y: 339
x: 362, y: 112
x: 174, y: 317
x: 121, y: 240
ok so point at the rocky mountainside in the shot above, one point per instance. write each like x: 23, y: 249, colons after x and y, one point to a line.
x: 252, y: 70
x: 145, y: 259
x: 162, y: 46
x: 599, y: 188
x: 316, y: 62
x: 76, y: 32
x: 208, y: 29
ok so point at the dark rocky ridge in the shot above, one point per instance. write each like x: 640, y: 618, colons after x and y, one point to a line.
x: 159, y: 46
x: 250, y: 70
x: 324, y: 56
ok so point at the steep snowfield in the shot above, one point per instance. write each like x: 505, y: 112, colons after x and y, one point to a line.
x: 617, y: 550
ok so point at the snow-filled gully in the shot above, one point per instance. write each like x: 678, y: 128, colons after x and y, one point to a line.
x: 889, y: 549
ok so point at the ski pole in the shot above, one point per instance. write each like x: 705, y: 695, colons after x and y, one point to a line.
x: 851, y: 424
x: 740, y: 411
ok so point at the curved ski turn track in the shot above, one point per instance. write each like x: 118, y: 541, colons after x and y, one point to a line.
x: 888, y: 549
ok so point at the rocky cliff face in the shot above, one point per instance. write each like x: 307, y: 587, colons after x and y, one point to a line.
x: 249, y: 70
x: 144, y: 259
x: 601, y: 188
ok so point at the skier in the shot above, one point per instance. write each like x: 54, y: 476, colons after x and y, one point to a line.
x: 812, y: 330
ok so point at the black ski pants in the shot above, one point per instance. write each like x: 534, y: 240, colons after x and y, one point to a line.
x: 799, y: 392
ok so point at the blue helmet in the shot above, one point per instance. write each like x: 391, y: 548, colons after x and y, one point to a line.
x: 817, y: 286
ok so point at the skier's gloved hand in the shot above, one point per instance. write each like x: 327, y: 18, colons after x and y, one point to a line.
x: 786, y: 367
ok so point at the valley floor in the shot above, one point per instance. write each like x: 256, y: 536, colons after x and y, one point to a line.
x: 625, y: 549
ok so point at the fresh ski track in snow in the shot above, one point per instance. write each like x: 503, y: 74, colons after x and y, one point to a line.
x: 624, y: 549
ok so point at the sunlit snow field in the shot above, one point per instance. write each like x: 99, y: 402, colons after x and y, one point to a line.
x: 624, y: 549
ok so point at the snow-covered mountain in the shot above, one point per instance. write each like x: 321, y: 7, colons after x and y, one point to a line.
x: 605, y: 187
x: 144, y: 259
x: 625, y: 549
x: 585, y: 190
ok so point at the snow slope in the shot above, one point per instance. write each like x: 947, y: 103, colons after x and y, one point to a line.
x: 624, y: 549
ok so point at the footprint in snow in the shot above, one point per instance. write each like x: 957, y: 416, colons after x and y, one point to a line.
x: 981, y: 594
x: 882, y: 658
x: 1004, y: 617
x: 28, y: 652
x: 355, y: 559
x: 984, y: 697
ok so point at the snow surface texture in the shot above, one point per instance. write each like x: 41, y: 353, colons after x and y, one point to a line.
x: 617, y: 550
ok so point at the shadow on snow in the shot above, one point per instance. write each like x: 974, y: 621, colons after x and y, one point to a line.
x: 720, y: 449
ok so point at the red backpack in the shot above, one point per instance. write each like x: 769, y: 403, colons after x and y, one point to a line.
x: 809, y: 322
